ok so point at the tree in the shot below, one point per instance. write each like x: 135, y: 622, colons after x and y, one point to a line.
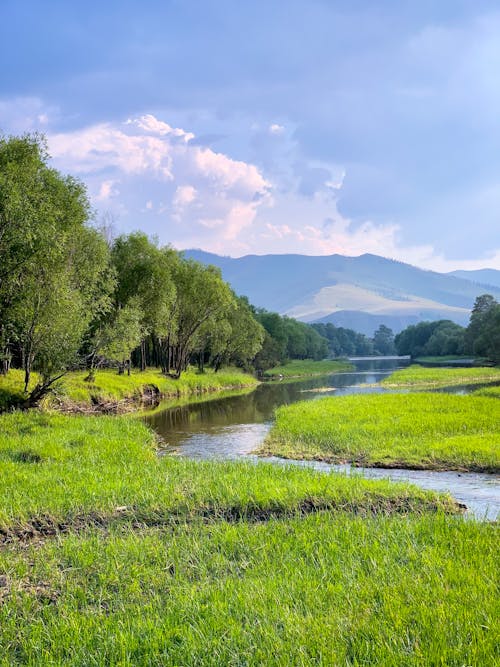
x: 237, y: 339
x: 144, y: 274
x: 483, y: 304
x: 202, y: 300
x: 51, y: 262
x: 383, y: 340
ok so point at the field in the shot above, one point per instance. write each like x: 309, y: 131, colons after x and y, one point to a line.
x: 307, y: 367
x: 424, y: 430
x: 111, y: 555
x: 416, y: 377
x: 494, y: 391
x: 120, y: 392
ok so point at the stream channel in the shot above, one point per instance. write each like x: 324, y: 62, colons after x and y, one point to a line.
x: 234, y: 426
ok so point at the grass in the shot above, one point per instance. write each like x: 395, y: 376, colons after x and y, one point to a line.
x: 493, y: 392
x: 307, y: 367
x: 421, y: 430
x: 63, y: 469
x: 73, y: 392
x: 416, y: 377
x: 389, y: 591
x: 111, y: 555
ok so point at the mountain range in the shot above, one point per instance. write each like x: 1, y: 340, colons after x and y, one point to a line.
x: 356, y: 292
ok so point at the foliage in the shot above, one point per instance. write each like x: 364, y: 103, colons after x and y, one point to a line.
x: 383, y: 341
x: 439, y: 338
x: 344, y: 342
x: 51, y: 262
x: 435, y: 431
x: 286, y: 339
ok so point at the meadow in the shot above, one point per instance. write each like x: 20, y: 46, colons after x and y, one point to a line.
x: 423, y: 430
x: 297, y: 368
x: 315, y: 590
x: 110, y: 554
x: 416, y: 377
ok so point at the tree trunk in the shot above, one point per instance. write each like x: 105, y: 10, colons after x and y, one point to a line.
x: 143, y: 354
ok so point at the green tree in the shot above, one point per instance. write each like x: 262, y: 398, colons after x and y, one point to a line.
x: 144, y: 274
x: 51, y: 265
x: 383, y: 340
x: 483, y: 304
x: 202, y: 299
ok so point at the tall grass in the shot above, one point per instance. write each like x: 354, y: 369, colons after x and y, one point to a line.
x: 418, y: 377
x: 111, y: 555
x: 421, y: 430
x: 313, y: 591
x: 73, y: 390
x: 58, y: 468
x: 308, y: 367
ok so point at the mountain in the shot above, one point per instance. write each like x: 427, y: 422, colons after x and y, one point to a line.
x: 358, y: 292
x: 486, y: 277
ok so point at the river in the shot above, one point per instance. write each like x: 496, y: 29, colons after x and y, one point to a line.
x: 233, y: 427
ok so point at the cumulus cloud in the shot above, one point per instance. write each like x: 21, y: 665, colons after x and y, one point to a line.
x: 190, y: 189
x: 160, y: 178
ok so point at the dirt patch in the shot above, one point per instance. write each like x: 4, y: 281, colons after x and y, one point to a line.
x: 42, y: 591
x: 39, y: 529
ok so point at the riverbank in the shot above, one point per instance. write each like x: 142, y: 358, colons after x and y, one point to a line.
x: 300, y: 368
x: 417, y: 377
x: 427, y: 432
x: 109, y: 392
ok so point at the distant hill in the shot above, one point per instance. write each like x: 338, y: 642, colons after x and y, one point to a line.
x: 481, y: 276
x: 357, y: 292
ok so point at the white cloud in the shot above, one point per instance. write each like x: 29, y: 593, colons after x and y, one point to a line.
x: 153, y: 176
x: 276, y: 129
x: 199, y: 190
x: 107, y: 190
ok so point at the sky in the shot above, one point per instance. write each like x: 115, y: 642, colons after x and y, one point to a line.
x: 311, y: 126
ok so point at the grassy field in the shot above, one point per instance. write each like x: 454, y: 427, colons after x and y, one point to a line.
x: 444, y: 359
x: 307, y: 367
x: 417, y: 377
x: 73, y: 392
x: 59, y: 469
x: 493, y: 392
x: 317, y: 590
x: 110, y: 555
x: 424, y: 430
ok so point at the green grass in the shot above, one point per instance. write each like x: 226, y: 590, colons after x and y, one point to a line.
x: 421, y: 430
x: 62, y: 469
x: 493, y: 392
x: 73, y: 392
x: 388, y: 591
x: 418, y: 377
x: 444, y: 358
x: 307, y: 367
x: 110, y: 555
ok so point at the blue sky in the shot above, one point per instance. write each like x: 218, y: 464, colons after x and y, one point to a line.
x: 312, y: 126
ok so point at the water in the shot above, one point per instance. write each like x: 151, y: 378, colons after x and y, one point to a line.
x: 233, y: 427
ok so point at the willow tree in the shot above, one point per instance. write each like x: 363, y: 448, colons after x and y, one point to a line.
x: 144, y: 277
x: 202, y: 301
x: 51, y: 262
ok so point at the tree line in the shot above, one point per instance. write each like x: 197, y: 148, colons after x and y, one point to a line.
x: 443, y: 337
